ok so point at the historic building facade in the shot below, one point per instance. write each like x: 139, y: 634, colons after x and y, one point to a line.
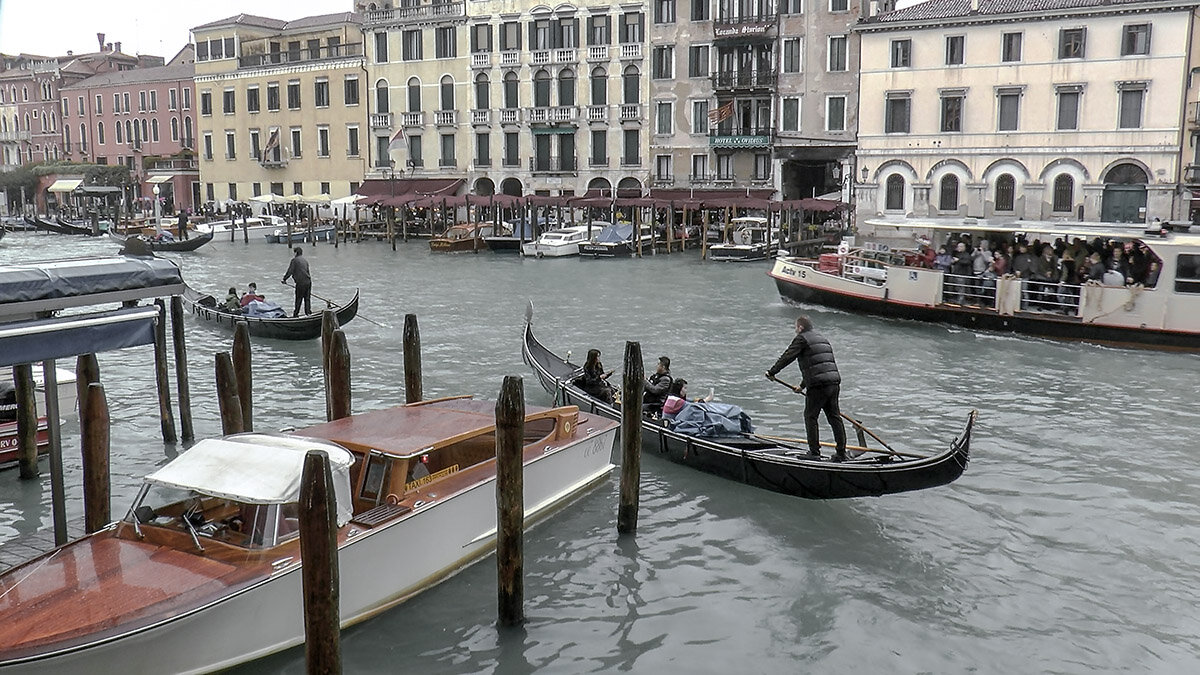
x: 280, y: 106
x: 1026, y: 111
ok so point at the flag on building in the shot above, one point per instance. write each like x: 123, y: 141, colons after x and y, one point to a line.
x: 272, y: 142
x: 720, y: 114
x: 399, y: 141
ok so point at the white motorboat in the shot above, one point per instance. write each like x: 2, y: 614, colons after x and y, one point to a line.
x: 67, y: 402
x: 255, y: 225
x: 750, y: 238
x: 205, y: 572
x: 557, y: 243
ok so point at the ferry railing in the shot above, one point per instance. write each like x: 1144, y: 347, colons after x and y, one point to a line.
x: 1036, y: 296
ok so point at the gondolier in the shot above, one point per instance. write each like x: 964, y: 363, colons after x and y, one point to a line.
x: 821, y: 384
x: 298, y: 270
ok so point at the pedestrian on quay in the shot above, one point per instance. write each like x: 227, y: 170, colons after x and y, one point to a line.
x: 298, y: 271
x: 821, y: 384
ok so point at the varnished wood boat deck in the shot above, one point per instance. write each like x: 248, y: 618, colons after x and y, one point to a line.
x: 16, y: 551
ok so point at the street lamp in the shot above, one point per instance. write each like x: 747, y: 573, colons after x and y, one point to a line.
x: 157, y: 221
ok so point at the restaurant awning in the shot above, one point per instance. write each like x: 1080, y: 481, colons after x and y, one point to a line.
x: 155, y: 180
x: 412, y: 186
x: 64, y: 185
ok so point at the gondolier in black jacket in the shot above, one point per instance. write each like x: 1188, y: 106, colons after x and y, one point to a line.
x: 821, y: 384
x: 298, y: 270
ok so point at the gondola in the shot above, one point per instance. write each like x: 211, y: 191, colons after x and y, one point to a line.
x: 81, y: 227
x: 175, y: 245
x: 48, y: 226
x: 761, y: 461
x: 306, y: 327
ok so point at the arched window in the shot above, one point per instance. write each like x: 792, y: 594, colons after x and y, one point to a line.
x: 382, y: 100
x: 1006, y: 192
x: 948, y: 194
x: 67, y: 136
x: 187, y: 130
x: 27, y: 127
x: 4, y: 124
x: 895, y: 193
x: 154, y: 130
x: 566, y: 87
x: 541, y: 89
x: 414, y: 95
x: 145, y: 136
x: 128, y: 131
x: 120, y: 132
x: 100, y: 133
x: 82, y: 137
x: 482, y: 92
x: 447, y: 93
x: 632, y: 85
x: 174, y: 128
x: 599, y: 87
x: 1064, y: 192
x: 511, y: 98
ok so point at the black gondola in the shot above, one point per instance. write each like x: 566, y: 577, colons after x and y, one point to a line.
x: 176, y: 245
x: 284, y: 328
x: 757, y: 460
x: 48, y: 226
x: 78, y: 227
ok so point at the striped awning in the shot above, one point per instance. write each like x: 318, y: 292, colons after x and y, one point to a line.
x: 64, y: 185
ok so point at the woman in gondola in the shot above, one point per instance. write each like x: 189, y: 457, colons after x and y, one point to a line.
x: 594, y: 379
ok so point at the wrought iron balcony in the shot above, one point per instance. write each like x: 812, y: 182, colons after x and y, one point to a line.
x: 416, y: 12
x: 631, y: 161
x: 1193, y: 115
x: 448, y: 163
x: 552, y: 165
x: 745, y: 80
x: 381, y: 120
x: 662, y: 180
x: 1191, y: 174
x: 274, y: 162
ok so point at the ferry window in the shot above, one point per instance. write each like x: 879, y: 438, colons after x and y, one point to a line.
x: 1187, y: 273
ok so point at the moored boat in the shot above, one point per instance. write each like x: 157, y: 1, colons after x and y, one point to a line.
x: 67, y: 400
x: 204, y: 572
x: 462, y: 237
x: 767, y: 462
x: 300, y: 235
x: 305, y: 327
x: 749, y: 239
x: 615, y: 241
x: 509, y: 237
x: 556, y: 243
x: 254, y: 225
x: 177, y: 245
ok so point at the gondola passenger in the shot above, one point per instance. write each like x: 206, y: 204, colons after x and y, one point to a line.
x: 594, y: 380
x: 657, y: 387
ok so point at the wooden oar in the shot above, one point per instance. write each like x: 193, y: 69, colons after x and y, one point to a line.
x: 851, y: 420
x: 830, y: 444
x: 334, y: 304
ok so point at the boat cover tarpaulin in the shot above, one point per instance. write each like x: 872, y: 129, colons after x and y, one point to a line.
x: 71, y: 278
x: 615, y: 234
x: 256, y: 469
x: 62, y: 337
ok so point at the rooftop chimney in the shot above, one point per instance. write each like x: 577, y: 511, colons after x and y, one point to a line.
x: 107, y: 47
x: 100, y: 39
x: 117, y: 45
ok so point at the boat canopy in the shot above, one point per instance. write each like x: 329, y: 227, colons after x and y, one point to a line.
x: 256, y: 469
x: 615, y: 234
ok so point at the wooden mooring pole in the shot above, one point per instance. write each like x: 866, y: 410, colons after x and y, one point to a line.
x: 328, y: 326
x: 181, y: 371
x: 243, y: 372
x: 510, y: 504
x: 162, y: 379
x: 318, y: 550
x: 94, y: 423
x: 412, y: 359
x: 87, y: 371
x: 227, y: 396
x: 339, y: 377
x: 58, y: 492
x: 632, y: 386
x: 27, y: 423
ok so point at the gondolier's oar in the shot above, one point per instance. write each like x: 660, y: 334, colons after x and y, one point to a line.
x: 334, y: 304
x: 851, y: 420
x: 830, y: 444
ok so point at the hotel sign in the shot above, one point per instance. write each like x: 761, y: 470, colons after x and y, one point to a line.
x: 742, y: 29
x: 739, y: 141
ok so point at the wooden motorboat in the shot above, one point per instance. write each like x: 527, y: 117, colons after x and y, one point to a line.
x: 306, y: 327
x: 204, y: 572
x: 461, y: 237
x: 879, y: 281
x: 750, y: 238
x: 558, y: 243
x: 762, y: 461
x: 510, y: 236
x: 613, y: 241
x: 300, y: 235
x: 176, y: 245
x: 67, y: 400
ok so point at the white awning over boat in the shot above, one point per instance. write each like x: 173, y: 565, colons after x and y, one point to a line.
x: 64, y: 185
x: 256, y: 469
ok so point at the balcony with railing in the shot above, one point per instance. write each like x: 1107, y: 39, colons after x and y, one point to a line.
x: 741, y: 137
x: 552, y: 165
x: 413, y: 12
x: 481, y: 116
x: 745, y: 80
x: 510, y: 115
x: 274, y: 162
x: 597, y: 53
x: 552, y: 114
x: 598, y: 162
x: 510, y: 59
x: 631, y: 50
x: 510, y: 162
x: 448, y: 163
x: 445, y: 118
x: 412, y: 119
x: 540, y: 57
x: 710, y: 178
x: 303, y: 55
x: 662, y: 180
x: 746, y: 27
x: 481, y: 60
x: 14, y: 136
x: 597, y: 113
x: 631, y: 112
x: 173, y: 164
x: 631, y: 161
x: 381, y: 120
x: 566, y: 55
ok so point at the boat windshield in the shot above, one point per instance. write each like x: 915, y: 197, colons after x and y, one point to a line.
x: 229, y: 521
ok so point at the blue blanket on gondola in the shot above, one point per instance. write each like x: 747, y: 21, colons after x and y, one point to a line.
x: 711, y: 419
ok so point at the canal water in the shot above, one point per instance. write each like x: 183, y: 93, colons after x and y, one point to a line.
x: 1069, y: 545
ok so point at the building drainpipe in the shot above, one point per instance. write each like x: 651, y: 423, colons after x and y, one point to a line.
x: 1180, y: 178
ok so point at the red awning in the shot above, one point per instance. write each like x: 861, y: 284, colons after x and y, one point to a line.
x: 414, y: 186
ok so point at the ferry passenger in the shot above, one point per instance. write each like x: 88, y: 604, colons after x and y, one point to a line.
x: 1045, y: 275
x: 821, y: 383
x: 960, y: 268
x: 593, y: 379
x: 656, y: 388
x: 942, y: 260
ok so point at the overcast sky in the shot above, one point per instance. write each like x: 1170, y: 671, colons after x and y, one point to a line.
x: 160, y: 28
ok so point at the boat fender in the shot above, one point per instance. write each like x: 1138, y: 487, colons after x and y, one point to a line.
x: 392, y: 499
x: 843, y: 249
x: 540, y: 254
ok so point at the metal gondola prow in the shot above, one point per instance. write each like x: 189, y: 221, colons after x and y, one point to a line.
x: 529, y: 312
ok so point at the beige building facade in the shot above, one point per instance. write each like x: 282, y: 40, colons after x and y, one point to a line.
x: 1026, y: 111
x: 281, y: 106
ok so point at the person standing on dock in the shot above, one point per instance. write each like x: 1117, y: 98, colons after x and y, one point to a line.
x: 298, y: 270
x: 821, y: 384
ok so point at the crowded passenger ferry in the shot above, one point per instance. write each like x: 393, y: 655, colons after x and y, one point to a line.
x: 1083, y: 282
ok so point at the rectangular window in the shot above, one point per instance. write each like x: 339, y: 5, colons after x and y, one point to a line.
x: 663, y: 117
x: 835, y: 113
x: 791, y: 7
x: 698, y: 61
x: 205, y: 102
x: 599, y: 148
x: 1071, y: 43
x: 202, y: 51
x: 273, y: 96
x: 481, y: 38
x: 901, y: 53
x: 230, y: 145
x: 381, y: 47
x: 839, y: 5
x: 896, y: 114
x: 187, y: 98
x: 352, y: 141
x: 414, y: 151
x: 1132, y: 98
x: 664, y: 11
x: 631, y: 29
x: 153, y: 100
x: 209, y: 192
x: 1187, y: 273
x: 631, y: 155
x: 510, y: 36
x: 447, y: 155
x: 1136, y: 40
x: 512, y: 154
x: 321, y: 93
x: 599, y: 30
x: 293, y: 94
x: 65, y: 107
x: 141, y: 101
x: 762, y: 166
x: 956, y: 49
x: 725, y: 167
x: 229, y: 101
x: 410, y: 42
x: 837, y: 53
x: 208, y: 148
x: 790, y: 117
x: 662, y: 168
x: 100, y: 104
x: 446, y: 42
x: 700, y: 10
x: 230, y: 52
x: 172, y: 99
x: 699, y: 117
x: 1068, y: 108
x: 483, y: 149
x: 1009, y: 110
x: 699, y: 167
x: 255, y: 145
x: 350, y: 91
x: 255, y: 189
x: 322, y: 141
x: 296, y: 142
x: 252, y: 102
x: 663, y: 63
x: 792, y: 55
x: 125, y: 101
x: 952, y: 112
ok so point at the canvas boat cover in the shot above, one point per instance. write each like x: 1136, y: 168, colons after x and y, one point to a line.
x: 70, y: 278
x: 256, y: 469
x: 615, y: 234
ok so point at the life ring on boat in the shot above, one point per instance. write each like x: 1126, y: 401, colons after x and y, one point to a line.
x: 843, y: 249
x: 392, y: 499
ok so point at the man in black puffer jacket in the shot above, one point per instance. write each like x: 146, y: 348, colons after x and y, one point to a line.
x: 821, y: 384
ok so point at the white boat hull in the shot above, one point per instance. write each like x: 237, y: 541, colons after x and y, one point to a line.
x: 550, y: 251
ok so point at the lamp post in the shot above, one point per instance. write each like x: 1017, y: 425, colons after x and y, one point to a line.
x: 157, y: 220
